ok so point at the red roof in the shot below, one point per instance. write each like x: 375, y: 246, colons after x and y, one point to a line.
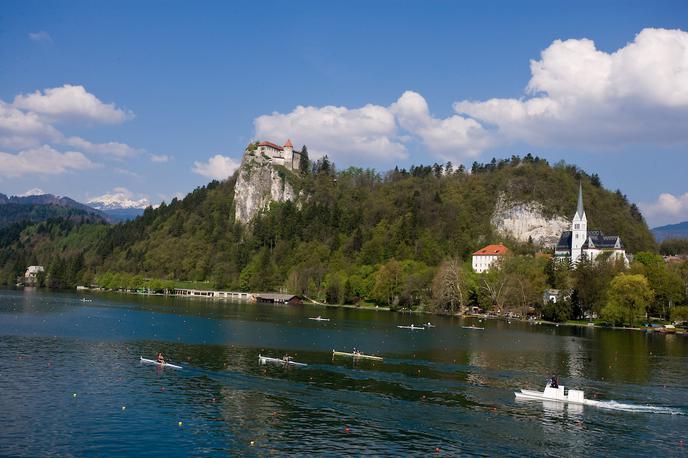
x: 271, y: 145
x: 492, y: 250
x: 288, y: 144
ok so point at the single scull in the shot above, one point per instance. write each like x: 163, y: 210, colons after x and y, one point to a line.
x: 266, y: 359
x: 152, y: 361
x: 412, y: 328
x: 356, y: 355
x: 318, y: 318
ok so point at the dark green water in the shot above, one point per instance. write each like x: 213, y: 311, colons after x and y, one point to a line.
x: 443, y: 391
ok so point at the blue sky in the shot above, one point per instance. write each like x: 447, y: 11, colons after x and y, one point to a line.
x: 147, y: 100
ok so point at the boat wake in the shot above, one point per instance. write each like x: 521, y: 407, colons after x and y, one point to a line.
x: 624, y: 407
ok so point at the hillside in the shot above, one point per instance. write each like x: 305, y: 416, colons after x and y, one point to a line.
x: 16, y: 210
x: 342, y: 229
x: 671, y: 231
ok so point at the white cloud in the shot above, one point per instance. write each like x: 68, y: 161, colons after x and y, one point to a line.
x: 33, y: 192
x: 116, y: 149
x: 668, y: 208
x: 348, y: 135
x: 581, y: 96
x: 119, y: 197
x: 452, y: 138
x: 40, y: 37
x: 42, y: 160
x: 70, y: 102
x: 218, y: 167
x: 578, y: 96
x: 19, y: 129
x: 159, y: 158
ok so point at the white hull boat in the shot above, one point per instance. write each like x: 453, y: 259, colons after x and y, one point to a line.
x: 356, y: 355
x: 266, y: 359
x: 412, y: 328
x: 473, y: 327
x: 152, y: 361
x: 559, y: 394
x: 317, y: 318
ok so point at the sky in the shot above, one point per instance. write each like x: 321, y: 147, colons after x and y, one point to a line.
x: 144, y: 101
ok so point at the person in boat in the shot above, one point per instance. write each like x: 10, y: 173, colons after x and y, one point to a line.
x: 356, y: 352
x: 554, y: 381
x: 160, y: 358
x: 286, y: 359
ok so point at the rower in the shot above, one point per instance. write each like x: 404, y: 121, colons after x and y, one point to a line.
x: 286, y: 359
x: 160, y: 358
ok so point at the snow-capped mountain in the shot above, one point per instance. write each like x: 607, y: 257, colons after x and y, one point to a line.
x: 119, y: 204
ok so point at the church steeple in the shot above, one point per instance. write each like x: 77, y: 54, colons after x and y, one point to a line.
x: 579, y: 228
x: 580, y: 212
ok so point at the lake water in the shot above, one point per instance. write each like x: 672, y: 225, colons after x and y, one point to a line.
x: 71, y: 383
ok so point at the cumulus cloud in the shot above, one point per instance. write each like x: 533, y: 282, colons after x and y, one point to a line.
x: 347, y: 134
x: 577, y: 96
x: 668, y: 208
x: 43, y: 160
x: 451, y: 138
x: 218, y: 167
x: 40, y: 37
x: 581, y: 96
x: 19, y: 129
x: 71, y: 102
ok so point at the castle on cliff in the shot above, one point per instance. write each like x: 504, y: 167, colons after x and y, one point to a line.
x: 279, y: 155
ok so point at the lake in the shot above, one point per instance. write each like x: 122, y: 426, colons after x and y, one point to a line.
x: 71, y: 382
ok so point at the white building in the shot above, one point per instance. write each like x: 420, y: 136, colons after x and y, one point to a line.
x: 487, y: 257
x: 580, y: 241
x: 280, y: 155
x: 33, y: 271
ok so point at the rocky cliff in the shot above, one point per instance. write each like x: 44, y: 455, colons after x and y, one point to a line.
x: 259, y: 182
x: 524, y: 221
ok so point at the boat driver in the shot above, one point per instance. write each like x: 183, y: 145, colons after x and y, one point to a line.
x: 160, y: 358
x: 553, y: 381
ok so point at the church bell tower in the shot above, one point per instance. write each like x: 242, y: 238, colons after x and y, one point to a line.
x: 579, y: 228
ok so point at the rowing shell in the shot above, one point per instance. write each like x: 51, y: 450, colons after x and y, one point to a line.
x: 319, y: 319
x: 151, y: 361
x: 473, y: 327
x: 356, y: 355
x: 412, y: 327
x: 267, y: 359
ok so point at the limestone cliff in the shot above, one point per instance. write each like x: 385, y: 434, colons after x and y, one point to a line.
x: 259, y: 183
x: 524, y: 221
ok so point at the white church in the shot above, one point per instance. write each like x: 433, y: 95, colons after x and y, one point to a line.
x: 579, y: 241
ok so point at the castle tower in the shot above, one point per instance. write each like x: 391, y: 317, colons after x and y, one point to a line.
x: 579, y: 228
x: 288, y: 151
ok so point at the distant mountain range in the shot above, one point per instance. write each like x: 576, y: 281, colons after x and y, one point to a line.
x: 671, y: 231
x: 40, y: 207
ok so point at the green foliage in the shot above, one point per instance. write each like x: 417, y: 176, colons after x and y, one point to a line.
x: 355, y: 235
x: 673, y: 247
x: 558, y: 312
x: 628, y: 299
x: 679, y: 314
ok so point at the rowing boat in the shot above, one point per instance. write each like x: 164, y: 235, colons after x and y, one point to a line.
x: 266, y: 359
x: 412, y: 328
x: 152, y: 361
x: 317, y: 318
x: 473, y: 327
x: 356, y: 355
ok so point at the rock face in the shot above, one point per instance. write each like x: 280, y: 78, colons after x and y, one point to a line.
x: 259, y: 183
x: 522, y: 221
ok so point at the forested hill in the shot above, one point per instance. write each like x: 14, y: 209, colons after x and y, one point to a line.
x: 345, y: 227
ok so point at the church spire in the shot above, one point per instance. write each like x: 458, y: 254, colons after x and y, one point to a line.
x: 579, y: 211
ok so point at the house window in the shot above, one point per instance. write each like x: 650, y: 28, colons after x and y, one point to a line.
x: 577, y: 226
x: 576, y: 235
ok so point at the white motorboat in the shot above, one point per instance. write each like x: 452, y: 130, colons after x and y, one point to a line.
x: 559, y: 394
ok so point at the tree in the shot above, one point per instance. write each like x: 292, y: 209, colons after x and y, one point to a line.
x: 666, y: 283
x: 388, y: 283
x: 628, y: 300
x: 450, y: 287
x: 304, y: 161
x: 526, y: 280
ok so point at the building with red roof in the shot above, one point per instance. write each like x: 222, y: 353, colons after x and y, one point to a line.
x: 486, y: 257
x: 280, y: 155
